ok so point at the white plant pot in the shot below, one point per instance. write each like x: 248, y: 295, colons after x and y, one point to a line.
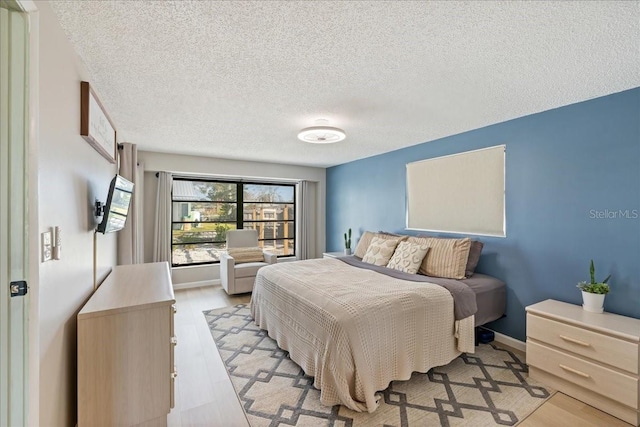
x: 347, y: 251
x: 593, y: 303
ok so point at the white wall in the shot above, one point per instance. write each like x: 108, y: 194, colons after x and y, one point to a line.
x: 70, y: 175
x: 154, y: 162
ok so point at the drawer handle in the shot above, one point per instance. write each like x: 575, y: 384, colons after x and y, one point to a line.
x: 174, y: 340
x: 175, y: 309
x: 574, y: 371
x: 174, y: 374
x: 575, y: 341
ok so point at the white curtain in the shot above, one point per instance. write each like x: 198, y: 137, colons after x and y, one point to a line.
x: 139, y: 197
x: 162, y: 229
x: 130, y: 239
x: 307, y: 220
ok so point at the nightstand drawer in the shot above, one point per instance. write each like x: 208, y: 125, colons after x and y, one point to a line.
x: 607, y: 382
x: 602, y: 348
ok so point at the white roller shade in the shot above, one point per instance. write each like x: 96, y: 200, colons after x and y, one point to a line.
x: 460, y: 193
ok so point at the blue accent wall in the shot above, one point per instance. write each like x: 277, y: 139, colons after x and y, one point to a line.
x: 572, y: 194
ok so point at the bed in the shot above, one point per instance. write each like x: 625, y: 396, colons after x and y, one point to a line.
x: 355, y: 328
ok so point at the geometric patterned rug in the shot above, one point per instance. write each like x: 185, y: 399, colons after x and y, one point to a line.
x: 487, y: 388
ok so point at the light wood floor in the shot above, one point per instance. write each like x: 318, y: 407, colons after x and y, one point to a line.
x: 205, y: 396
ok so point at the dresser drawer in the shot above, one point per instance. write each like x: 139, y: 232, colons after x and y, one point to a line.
x: 607, y: 382
x: 599, y: 347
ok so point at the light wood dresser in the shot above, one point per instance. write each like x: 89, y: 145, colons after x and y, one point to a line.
x: 126, y: 345
x: 591, y: 357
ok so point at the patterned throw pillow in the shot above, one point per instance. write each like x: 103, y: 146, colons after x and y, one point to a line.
x: 446, y: 258
x: 367, y: 237
x: 380, y: 251
x: 408, y: 257
x: 241, y: 255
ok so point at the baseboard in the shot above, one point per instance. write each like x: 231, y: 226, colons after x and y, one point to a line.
x: 511, y: 342
x: 188, y: 285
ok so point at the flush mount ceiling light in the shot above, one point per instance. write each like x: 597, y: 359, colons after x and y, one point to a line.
x: 321, y: 135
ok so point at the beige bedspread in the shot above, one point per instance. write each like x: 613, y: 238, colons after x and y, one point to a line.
x: 356, y: 330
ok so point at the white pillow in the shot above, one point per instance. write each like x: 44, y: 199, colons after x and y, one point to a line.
x: 408, y: 257
x: 380, y: 251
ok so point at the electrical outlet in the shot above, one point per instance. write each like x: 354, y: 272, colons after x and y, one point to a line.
x: 46, y: 246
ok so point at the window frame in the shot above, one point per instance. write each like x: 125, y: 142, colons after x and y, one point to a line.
x: 239, y: 221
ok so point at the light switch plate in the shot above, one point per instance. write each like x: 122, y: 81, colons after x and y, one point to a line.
x: 57, y: 243
x: 46, y: 246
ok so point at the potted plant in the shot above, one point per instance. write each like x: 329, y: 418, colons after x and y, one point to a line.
x: 347, y: 243
x: 593, y: 293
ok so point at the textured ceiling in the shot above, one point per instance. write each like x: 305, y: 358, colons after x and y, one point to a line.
x: 240, y: 79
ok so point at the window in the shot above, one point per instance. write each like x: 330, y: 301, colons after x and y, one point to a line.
x: 204, y: 210
x: 477, y: 178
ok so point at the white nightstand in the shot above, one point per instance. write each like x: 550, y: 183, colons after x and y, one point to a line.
x: 332, y: 254
x: 592, y: 357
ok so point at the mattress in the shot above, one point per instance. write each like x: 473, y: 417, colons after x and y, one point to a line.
x: 491, y: 296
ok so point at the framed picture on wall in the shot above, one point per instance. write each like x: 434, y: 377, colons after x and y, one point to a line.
x: 95, y: 125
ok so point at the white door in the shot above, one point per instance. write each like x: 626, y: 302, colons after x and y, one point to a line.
x: 13, y: 216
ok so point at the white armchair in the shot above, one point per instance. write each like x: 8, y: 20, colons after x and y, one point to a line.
x: 239, y: 278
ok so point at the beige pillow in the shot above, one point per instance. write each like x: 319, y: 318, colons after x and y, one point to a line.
x: 367, y: 236
x: 380, y: 251
x: 446, y: 258
x: 363, y: 244
x: 241, y: 255
x: 408, y: 257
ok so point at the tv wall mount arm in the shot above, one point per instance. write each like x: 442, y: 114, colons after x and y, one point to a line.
x: 99, y: 209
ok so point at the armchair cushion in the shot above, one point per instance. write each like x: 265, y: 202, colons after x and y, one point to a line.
x: 242, y: 255
x: 248, y: 269
x: 242, y: 238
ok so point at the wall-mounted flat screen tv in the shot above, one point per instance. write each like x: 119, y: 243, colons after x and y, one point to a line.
x: 117, y: 207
